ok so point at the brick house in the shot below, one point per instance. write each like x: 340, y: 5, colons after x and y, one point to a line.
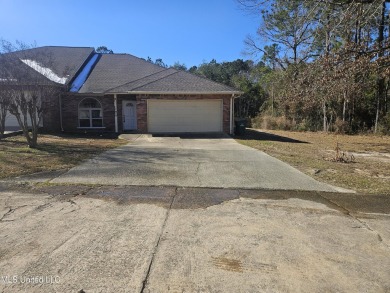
x: 120, y: 93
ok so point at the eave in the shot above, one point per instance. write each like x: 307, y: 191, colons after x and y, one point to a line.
x: 181, y: 93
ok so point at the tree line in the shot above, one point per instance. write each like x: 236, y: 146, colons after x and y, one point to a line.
x: 329, y: 61
x: 320, y: 65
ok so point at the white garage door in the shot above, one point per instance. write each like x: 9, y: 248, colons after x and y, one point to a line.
x: 184, y: 115
x: 11, y: 123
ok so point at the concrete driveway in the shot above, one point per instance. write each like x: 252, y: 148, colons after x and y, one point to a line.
x: 172, y: 161
x: 166, y: 239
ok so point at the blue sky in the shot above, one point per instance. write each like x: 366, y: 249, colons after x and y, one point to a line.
x: 186, y: 31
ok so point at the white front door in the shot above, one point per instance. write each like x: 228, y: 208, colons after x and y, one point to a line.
x: 129, y: 115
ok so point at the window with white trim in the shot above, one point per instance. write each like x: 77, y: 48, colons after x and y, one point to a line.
x: 90, y: 113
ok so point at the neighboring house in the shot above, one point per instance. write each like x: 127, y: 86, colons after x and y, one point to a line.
x: 12, y: 123
x: 120, y: 92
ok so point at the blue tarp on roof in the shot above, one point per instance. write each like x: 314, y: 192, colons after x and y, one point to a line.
x: 83, y: 75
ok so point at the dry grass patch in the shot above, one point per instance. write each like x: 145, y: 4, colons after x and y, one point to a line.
x: 52, y: 153
x: 312, y: 153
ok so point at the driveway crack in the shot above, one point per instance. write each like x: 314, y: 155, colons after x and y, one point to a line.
x: 155, y: 250
x: 197, y: 174
x: 348, y: 213
x: 10, y: 211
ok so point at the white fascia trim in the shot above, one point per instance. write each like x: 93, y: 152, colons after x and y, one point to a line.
x: 85, y: 94
x: 177, y: 93
x: 231, y: 114
x: 234, y: 96
x: 116, y: 113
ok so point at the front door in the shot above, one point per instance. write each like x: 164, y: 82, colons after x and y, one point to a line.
x: 129, y: 115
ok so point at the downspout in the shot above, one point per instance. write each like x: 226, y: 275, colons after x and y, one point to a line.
x: 116, y: 113
x: 60, y: 101
x: 231, y: 113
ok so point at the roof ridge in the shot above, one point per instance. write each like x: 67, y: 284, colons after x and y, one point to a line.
x: 144, y: 60
x: 75, y: 47
x: 126, y: 83
x: 156, y: 79
x: 48, y: 47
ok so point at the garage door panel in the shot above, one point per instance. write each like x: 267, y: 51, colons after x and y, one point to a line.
x: 12, y: 124
x: 184, y: 116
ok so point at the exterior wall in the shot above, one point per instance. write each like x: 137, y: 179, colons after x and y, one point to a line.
x: 70, y: 105
x: 142, y: 110
x: 51, y: 115
x: 70, y: 116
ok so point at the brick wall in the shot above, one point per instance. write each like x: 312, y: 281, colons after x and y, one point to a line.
x: 51, y: 113
x: 70, y: 117
x: 70, y: 105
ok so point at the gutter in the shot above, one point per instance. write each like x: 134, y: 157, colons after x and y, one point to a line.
x: 231, y: 113
x: 183, y: 93
x: 116, y: 113
x: 234, y: 96
x: 60, y: 101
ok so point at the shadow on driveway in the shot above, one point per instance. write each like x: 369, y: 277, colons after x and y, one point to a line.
x: 193, y: 135
x: 251, y: 134
x: 195, y: 198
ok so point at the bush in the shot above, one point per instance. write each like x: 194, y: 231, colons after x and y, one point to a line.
x: 304, y: 125
x: 341, y: 126
x: 273, y: 123
x: 384, y: 126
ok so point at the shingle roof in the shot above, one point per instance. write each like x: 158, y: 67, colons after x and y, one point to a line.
x: 123, y: 73
x: 183, y: 82
x: 14, y: 72
x: 113, y: 73
x: 143, y: 81
x: 114, y: 70
x: 65, y: 62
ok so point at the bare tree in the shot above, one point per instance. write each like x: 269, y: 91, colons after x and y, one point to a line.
x: 27, y: 84
x: 330, y: 53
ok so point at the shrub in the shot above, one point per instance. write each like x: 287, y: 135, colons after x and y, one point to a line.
x: 384, y: 126
x: 273, y: 123
x: 341, y: 126
x: 304, y: 125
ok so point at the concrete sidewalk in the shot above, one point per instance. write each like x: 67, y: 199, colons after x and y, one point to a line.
x: 170, y: 161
